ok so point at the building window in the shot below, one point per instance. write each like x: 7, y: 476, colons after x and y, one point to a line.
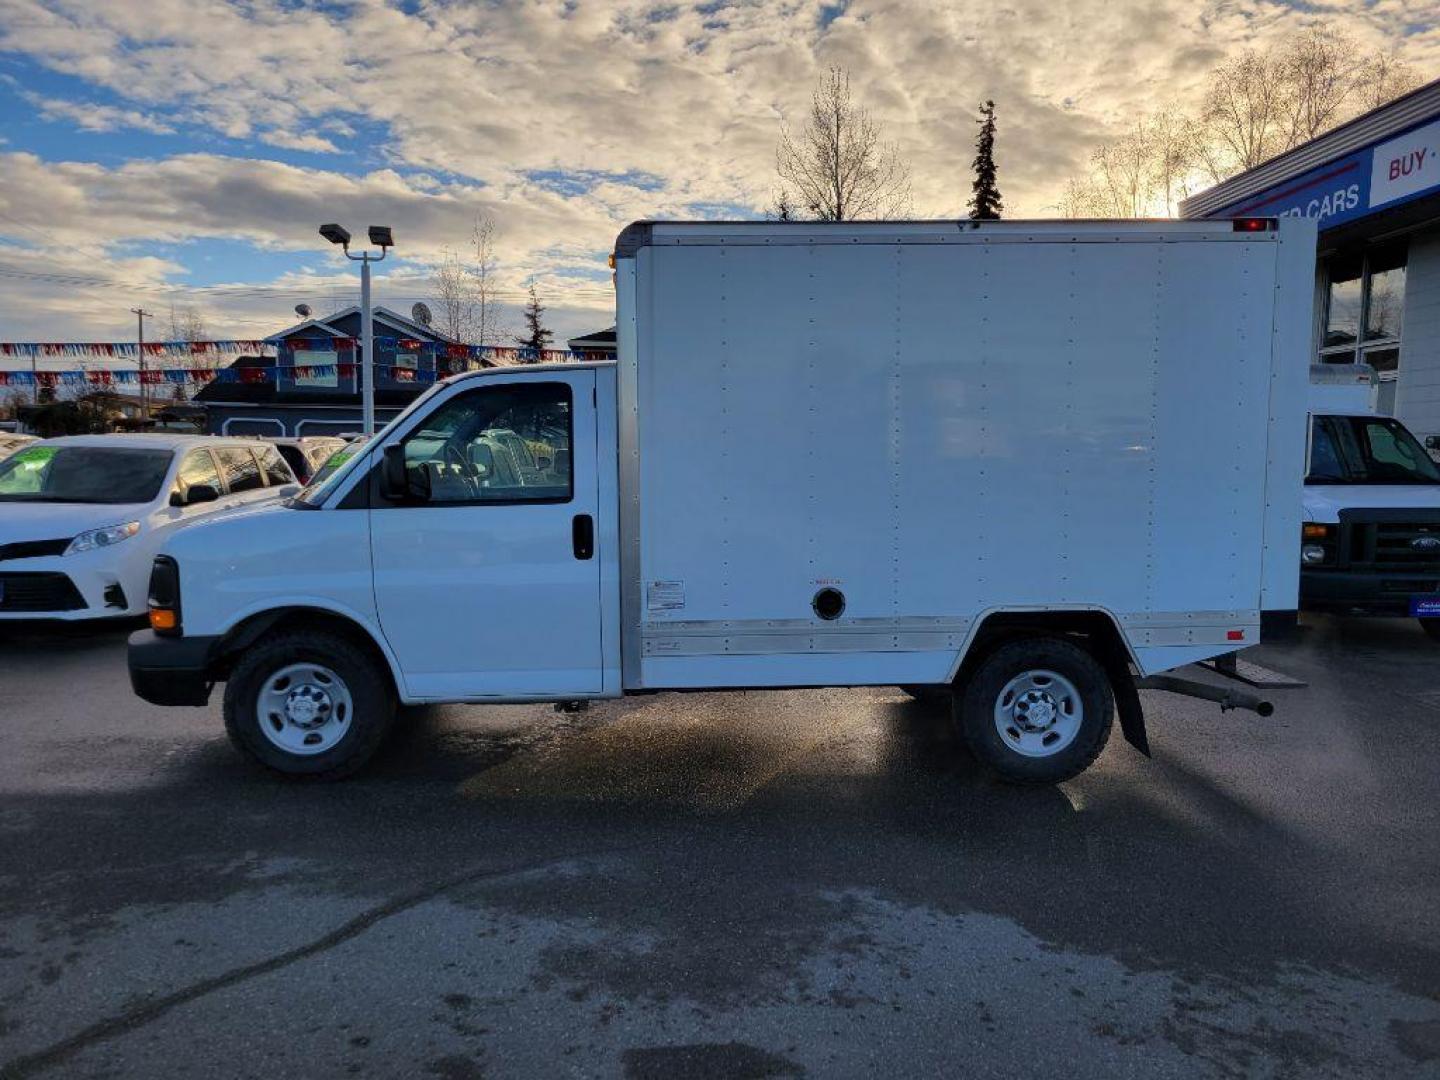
x: 327, y: 377
x: 1342, y: 312
x: 1365, y: 292
x: 1386, y: 297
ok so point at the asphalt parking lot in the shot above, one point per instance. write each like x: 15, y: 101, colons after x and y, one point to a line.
x: 811, y: 883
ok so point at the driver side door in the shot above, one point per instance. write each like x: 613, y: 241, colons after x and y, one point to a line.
x: 486, y: 579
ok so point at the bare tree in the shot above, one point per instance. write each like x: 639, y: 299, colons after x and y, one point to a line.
x: 1317, y: 69
x: 1172, y: 148
x: 486, y: 325
x: 1244, y: 109
x: 465, y: 288
x: 784, y: 208
x: 1126, y: 173
x: 1080, y: 199
x: 1382, y: 78
x: 837, y: 165
x: 1256, y: 105
x: 186, y: 323
x: 454, y: 297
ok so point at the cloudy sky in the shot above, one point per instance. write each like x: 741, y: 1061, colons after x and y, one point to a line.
x: 184, y: 151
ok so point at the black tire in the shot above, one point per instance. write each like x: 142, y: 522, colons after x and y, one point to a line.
x: 1431, y: 628
x: 366, y: 679
x: 976, y: 702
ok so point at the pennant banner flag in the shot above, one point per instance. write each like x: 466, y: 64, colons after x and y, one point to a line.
x: 425, y: 361
x: 128, y: 348
x: 452, y: 350
x: 96, y: 379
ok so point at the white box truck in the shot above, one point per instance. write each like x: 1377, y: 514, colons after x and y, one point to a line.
x: 1032, y: 463
x: 1371, y: 531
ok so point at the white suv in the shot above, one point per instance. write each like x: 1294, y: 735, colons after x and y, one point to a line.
x: 82, y: 517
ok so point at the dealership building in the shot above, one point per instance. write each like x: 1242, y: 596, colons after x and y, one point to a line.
x: 1373, y: 186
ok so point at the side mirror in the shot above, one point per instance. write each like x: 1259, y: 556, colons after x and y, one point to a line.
x: 200, y: 493
x: 398, y: 483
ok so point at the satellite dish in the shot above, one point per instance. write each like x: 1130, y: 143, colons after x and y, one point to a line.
x: 303, y: 310
x: 421, y: 313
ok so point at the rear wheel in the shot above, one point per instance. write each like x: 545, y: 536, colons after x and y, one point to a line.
x: 1037, y: 711
x: 1431, y: 628
x: 308, y: 705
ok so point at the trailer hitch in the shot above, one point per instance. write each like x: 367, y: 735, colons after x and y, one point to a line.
x: 1224, y: 696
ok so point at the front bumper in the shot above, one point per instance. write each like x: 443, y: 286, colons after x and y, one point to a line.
x: 170, y: 670
x: 74, y: 587
x: 1347, y: 592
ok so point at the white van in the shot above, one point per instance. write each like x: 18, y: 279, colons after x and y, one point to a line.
x: 81, y: 517
x: 1371, y: 534
x: 1029, y: 462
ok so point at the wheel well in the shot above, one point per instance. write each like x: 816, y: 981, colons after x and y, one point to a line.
x: 251, y: 630
x: 1095, y: 631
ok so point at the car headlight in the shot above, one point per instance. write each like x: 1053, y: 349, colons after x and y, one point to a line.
x: 1312, y: 554
x: 109, y: 536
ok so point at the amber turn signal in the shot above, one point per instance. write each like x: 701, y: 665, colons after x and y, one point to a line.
x: 1315, y: 532
x: 162, y: 619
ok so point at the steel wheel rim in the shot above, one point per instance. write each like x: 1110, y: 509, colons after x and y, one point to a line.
x: 304, y: 709
x: 1038, y: 713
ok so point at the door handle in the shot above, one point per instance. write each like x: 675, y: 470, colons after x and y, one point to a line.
x: 582, y: 535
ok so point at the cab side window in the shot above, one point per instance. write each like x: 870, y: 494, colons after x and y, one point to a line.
x: 240, y: 469
x: 276, y: 471
x: 197, y: 468
x: 500, y: 444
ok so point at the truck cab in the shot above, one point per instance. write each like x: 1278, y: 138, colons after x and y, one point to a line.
x: 1370, y: 534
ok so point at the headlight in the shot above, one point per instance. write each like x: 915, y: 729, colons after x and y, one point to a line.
x: 102, y: 538
x: 1312, y: 554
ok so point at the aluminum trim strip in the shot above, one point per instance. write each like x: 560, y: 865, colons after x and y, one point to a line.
x: 627, y: 393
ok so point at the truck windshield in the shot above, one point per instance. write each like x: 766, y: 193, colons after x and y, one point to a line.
x: 83, y: 474
x: 1366, y: 450
x: 328, y: 475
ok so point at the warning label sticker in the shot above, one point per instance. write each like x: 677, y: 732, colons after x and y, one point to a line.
x: 665, y: 596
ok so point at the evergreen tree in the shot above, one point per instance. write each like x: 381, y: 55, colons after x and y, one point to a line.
x: 985, y: 204
x: 536, y: 336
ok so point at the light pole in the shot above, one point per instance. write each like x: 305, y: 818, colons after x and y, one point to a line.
x: 380, y: 237
x: 140, y: 315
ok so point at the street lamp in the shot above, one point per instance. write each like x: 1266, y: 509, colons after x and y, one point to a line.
x: 380, y: 237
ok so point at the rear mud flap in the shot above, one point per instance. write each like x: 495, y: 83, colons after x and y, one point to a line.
x: 1132, y: 716
x: 1127, y: 703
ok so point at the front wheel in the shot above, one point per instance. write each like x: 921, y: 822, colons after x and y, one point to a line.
x: 308, y: 705
x: 1431, y: 628
x: 1036, y: 711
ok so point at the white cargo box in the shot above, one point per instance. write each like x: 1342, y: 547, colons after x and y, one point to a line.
x: 940, y: 421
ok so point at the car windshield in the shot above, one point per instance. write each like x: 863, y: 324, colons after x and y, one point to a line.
x: 83, y: 474
x: 1367, y: 450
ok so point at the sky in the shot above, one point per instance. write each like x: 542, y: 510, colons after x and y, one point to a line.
x: 184, y: 152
